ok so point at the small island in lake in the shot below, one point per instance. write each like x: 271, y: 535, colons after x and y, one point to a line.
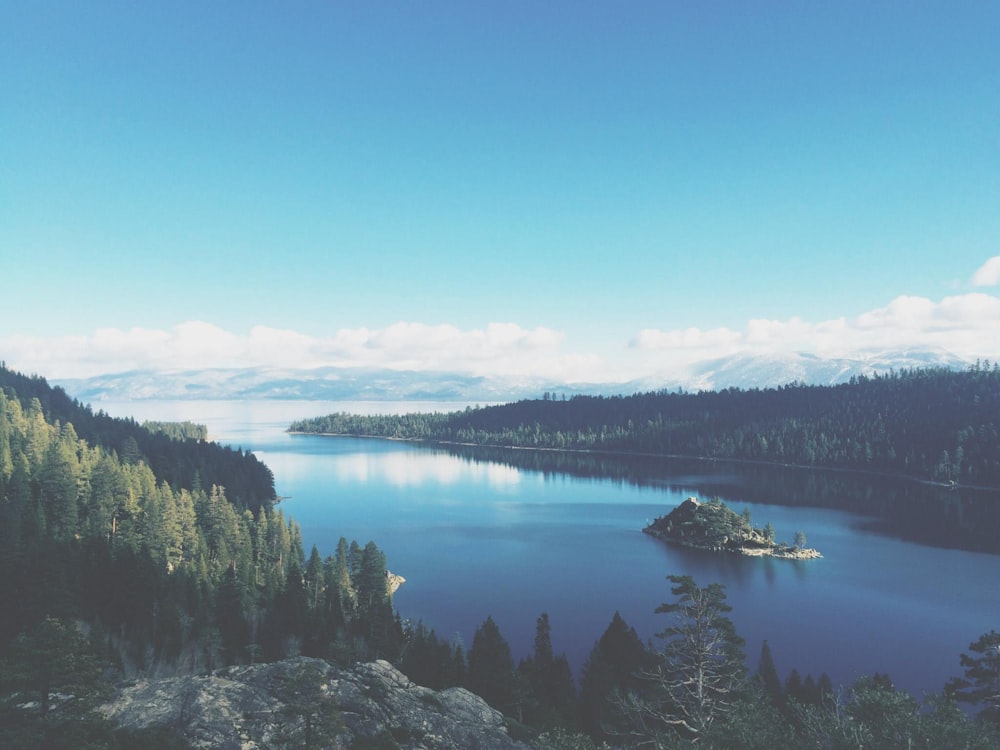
x: 714, y: 526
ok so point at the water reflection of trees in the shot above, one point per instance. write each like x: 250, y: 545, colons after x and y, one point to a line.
x: 910, y: 510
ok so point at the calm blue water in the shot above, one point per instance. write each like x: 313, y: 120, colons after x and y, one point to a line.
x: 477, y: 539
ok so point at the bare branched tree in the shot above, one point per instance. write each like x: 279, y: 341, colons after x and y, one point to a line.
x: 699, y: 671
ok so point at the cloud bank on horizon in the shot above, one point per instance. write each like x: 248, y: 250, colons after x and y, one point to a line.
x: 965, y: 325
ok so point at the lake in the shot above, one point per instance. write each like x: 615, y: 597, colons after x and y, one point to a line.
x: 514, y: 535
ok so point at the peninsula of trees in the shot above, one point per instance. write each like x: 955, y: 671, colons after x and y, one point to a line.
x: 936, y: 425
x: 714, y: 526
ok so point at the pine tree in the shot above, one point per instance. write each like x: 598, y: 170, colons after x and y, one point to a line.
x: 371, y: 581
x: 699, y: 670
x: 6, y: 457
x: 611, y: 671
x: 54, y: 665
x: 793, y: 687
x: 59, y: 475
x: 311, y: 718
x: 981, y: 684
x: 767, y: 676
x: 230, y: 619
x: 491, y: 668
x: 552, y: 695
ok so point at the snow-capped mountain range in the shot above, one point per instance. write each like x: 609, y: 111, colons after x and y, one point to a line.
x: 352, y: 384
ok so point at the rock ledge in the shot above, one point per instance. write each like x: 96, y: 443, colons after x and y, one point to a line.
x: 256, y: 707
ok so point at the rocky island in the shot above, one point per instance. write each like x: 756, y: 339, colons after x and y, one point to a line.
x: 713, y: 526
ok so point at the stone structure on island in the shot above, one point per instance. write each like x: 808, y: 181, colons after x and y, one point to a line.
x: 713, y: 526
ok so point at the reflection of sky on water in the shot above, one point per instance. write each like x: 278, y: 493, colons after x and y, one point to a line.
x: 401, y: 468
x: 410, y: 468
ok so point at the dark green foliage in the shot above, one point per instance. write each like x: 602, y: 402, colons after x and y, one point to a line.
x: 168, y: 578
x: 701, y: 667
x: 944, y: 725
x: 793, y: 686
x: 712, y: 525
x: 812, y: 692
x: 286, y: 620
x: 371, y: 578
x: 50, y: 682
x: 551, y: 699
x: 611, y: 670
x: 376, y: 622
x: 178, y: 430
x: 430, y: 662
x: 872, y: 714
x: 885, y: 713
x: 980, y: 685
x: 311, y: 718
x: 53, y: 658
x: 753, y: 723
x: 767, y: 677
x: 230, y: 617
x: 180, y: 463
x: 491, y: 669
x: 694, y: 682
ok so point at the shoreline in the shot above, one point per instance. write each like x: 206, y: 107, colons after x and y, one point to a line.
x: 777, y: 552
x: 675, y: 456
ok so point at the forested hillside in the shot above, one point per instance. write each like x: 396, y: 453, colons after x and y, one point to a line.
x: 183, y: 464
x: 934, y: 424
x: 158, y: 563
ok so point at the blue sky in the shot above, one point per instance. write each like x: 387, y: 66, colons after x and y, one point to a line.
x: 579, y: 190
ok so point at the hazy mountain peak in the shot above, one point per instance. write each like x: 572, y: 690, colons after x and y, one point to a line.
x: 353, y: 384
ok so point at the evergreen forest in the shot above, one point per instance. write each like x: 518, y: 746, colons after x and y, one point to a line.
x: 936, y: 425
x: 131, y: 550
x: 131, y: 536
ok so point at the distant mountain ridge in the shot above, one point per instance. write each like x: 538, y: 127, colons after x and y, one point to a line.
x: 773, y: 370
x: 358, y: 384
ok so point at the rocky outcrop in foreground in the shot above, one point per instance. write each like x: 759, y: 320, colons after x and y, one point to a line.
x: 306, y: 702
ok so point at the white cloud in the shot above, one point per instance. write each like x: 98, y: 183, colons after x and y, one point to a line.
x: 967, y: 325
x: 499, y: 348
x: 988, y: 274
x: 687, y: 338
